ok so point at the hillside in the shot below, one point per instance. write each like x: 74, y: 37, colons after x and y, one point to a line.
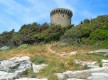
x: 69, y: 48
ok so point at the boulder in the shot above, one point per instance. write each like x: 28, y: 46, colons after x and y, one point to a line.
x: 61, y: 76
x: 14, y: 67
x: 92, y: 65
x: 15, y: 64
x: 36, y: 68
x: 78, y: 61
x: 98, y: 76
x: 104, y: 62
x: 4, y: 48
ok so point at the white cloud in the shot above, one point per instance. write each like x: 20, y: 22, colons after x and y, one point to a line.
x: 64, y: 4
x: 17, y: 14
x: 11, y: 14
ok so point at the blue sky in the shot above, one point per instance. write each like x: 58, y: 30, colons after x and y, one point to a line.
x: 15, y: 13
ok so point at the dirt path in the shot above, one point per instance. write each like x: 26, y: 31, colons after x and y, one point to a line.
x: 49, y: 49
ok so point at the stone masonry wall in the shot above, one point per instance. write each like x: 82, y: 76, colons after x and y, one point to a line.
x: 60, y: 19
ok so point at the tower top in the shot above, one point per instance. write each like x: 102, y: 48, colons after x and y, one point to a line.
x: 62, y: 10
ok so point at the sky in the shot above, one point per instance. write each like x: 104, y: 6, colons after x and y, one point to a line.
x: 15, y: 13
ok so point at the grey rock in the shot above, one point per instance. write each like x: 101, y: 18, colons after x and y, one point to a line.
x: 69, y: 74
x: 4, y: 48
x: 36, y: 68
x: 104, y: 62
x: 75, y: 79
x: 98, y: 76
x: 61, y: 76
x: 31, y: 79
x: 14, y: 64
x: 100, y: 51
x: 78, y: 61
x: 8, y: 76
x: 92, y: 65
x: 87, y: 63
x: 83, y: 74
x: 14, y: 67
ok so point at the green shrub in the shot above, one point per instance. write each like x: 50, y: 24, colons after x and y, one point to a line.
x: 23, y: 46
x: 103, y: 44
x: 99, y: 63
x: 99, y: 35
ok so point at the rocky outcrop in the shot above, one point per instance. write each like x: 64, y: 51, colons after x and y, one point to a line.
x: 31, y: 79
x: 14, y: 67
x: 88, y: 64
x: 98, y: 76
x: 83, y: 74
x: 94, y: 72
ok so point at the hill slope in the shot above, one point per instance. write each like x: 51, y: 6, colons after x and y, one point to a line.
x: 89, y: 32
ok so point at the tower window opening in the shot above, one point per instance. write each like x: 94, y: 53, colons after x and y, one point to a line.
x: 63, y: 15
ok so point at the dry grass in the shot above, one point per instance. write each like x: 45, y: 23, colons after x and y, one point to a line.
x: 45, y: 49
x: 50, y: 54
x: 69, y: 48
x: 31, y: 51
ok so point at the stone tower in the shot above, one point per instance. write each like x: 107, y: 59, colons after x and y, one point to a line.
x: 61, y: 16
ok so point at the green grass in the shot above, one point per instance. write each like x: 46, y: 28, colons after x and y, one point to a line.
x: 39, y: 59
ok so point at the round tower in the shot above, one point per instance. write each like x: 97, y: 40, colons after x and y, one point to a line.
x: 61, y: 16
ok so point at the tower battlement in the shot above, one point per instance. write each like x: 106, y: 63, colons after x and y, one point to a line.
x: 62, y: 11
